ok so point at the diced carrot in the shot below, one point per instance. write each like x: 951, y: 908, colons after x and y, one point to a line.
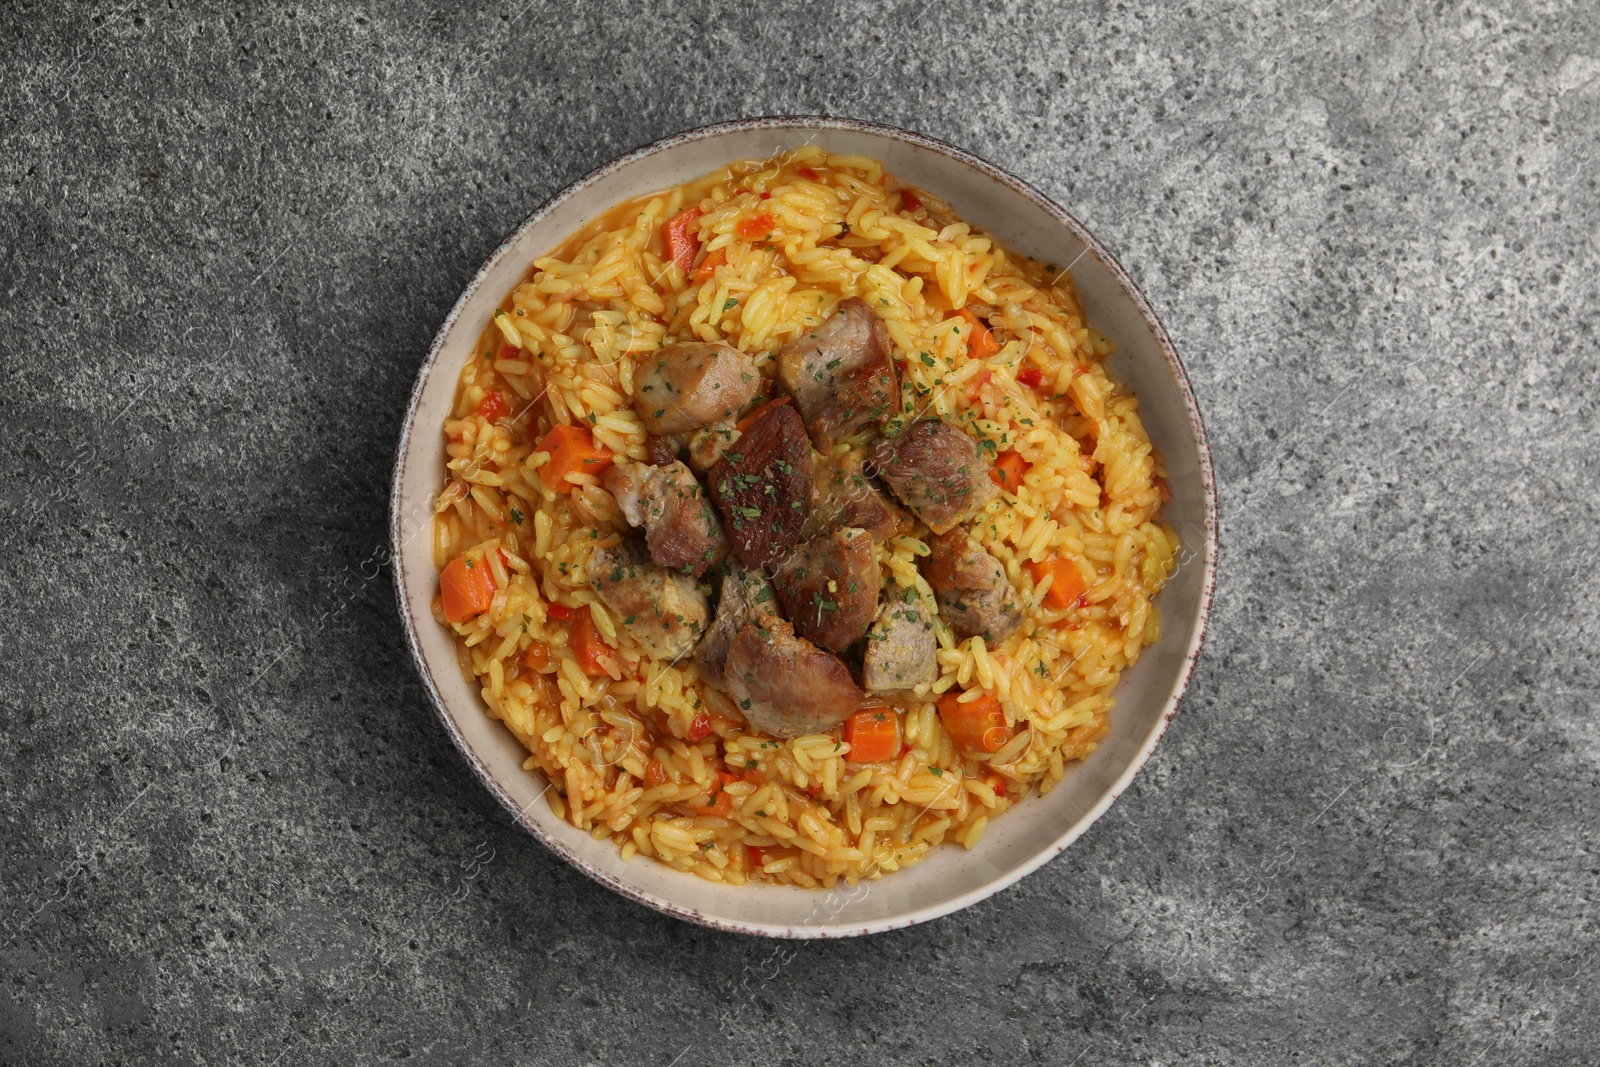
x: 699, y: 728
x: 654, y: 773
x: 720, y: 801
x: 756, y: 226
x: 537, y: 657
x: 712, y: 261
x: 1030, y: 376
x: 559, y: 612
x: 493, y: 405
x: 808, y: 174
x: 1067, y: 585
x: 981, y: 345
x: 466, y: 588
x: 594, y: 655
x: 1009, y: 469
x: 680, y: 238
x: 873, y: 734
x: 572, y: 451
x: 978, y: 725
x: 911, y: 200
x: 750, y: 419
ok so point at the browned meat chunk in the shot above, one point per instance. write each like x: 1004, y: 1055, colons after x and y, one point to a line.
x: 746, y: 596
x: 626, y: 483
x: 936, y: 471
x: 763, y: 486
x: 659, y: 450
x: 706, y: 445
x: 841, y: 374
x: 829, y: 588
x: 847, y: 497
x: 975, y: 599
x: 902, y: 652
x: 683, y: 387
x: 679, y: 523
x: 784, y: 684
x: 661, y: 610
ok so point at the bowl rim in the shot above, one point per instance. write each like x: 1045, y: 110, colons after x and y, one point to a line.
x: 823, y: 930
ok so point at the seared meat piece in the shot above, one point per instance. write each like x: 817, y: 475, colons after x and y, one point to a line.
x: 974, y: 596
x: 763, y: 486
x: 660, y: 450
x: 746, y: 596
x: 784, y: 684
x: 847, y: 497
x: 661, y: 610
x: 679, y: 523
x: 707, y: 444
x: 841, y: 374
x: 626, y: 482
x: 902, y: 652
x: 829, y: 588
x: 683, y: 387
x: 936, y: 471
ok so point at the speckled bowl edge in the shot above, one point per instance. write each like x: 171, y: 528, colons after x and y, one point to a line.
x: 1197, y: 428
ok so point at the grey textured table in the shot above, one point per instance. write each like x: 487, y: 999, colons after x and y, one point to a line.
x: 233, y: 830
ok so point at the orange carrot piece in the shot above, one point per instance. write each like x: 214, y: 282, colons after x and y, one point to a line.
x: 873, y: 734
x: 591, y: 649
x: 756, y: 226
x: 1008, y: 470
x: 981, y: 345
x: 681, y: 240
x: 721, y: 801
x: 710, y: 263
x: 572, y: 451
x: 1068, y: 584
x: 978, y: 725
x: 654, y: 774
x: 536, y: 658
x: 466, y: 588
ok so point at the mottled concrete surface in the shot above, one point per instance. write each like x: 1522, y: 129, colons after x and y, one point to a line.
x: 233, y: 830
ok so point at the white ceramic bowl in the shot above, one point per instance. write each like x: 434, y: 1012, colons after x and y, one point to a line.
x: 1021, y: 839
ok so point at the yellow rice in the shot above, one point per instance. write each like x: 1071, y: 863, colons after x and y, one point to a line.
x: 563, y: 350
